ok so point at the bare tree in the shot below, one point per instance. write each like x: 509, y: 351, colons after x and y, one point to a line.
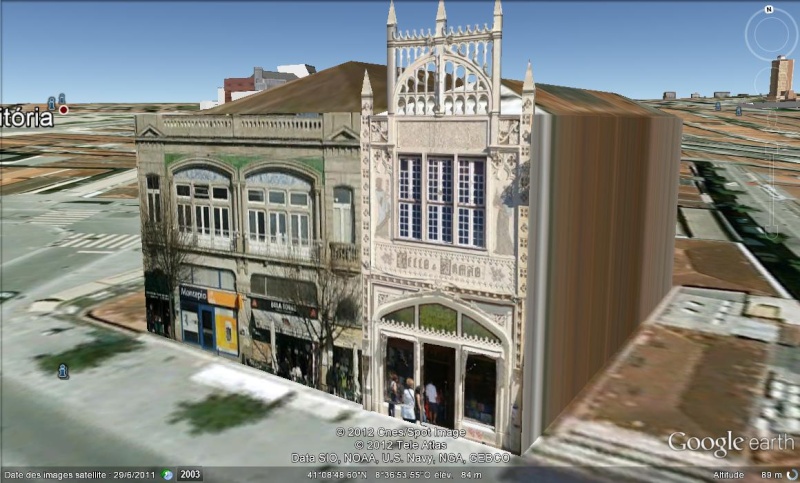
x: 327, y: 301
x: 167, y: 243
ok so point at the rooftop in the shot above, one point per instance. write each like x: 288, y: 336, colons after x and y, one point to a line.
x: 338, y: 89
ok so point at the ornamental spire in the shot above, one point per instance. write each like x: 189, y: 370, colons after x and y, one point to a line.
x: 528, y: 85
x: 392, y: 20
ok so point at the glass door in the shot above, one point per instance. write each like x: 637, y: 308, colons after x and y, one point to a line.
x: 208, y: 340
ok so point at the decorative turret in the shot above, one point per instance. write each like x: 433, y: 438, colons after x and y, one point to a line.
x: 497, y: 26
x: 366, y: 87
x: 392, y: 20
x: 441, y: 20
x: 528, y: 87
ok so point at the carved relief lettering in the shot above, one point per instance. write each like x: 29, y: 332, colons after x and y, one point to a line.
x: 443, y: 135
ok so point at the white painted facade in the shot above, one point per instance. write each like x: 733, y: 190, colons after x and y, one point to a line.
x: 448, y: 113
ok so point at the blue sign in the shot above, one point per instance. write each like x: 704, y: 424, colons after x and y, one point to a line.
x: 51, y: 104
x: 739, y: 110
x: 718, y: 107
x: 62, y: 99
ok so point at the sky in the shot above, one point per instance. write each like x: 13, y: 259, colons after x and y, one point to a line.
x: 181, y: 51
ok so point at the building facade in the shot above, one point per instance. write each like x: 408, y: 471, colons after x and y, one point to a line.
x: 473, y: 183
x: 780, y: 81
x: 264, y: 199
x: 235, y: 88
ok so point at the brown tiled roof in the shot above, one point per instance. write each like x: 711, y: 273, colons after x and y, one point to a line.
x: 338, y: 89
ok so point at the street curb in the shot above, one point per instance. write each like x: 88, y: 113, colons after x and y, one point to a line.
x: 91, y: 318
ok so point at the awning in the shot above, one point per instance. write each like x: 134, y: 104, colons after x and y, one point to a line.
x: 285, y: 324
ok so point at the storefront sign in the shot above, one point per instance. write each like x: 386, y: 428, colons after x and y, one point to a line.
x: 285, y: 308
x: 156, y: 295
x: 222, y: 299
x: 194, y: 294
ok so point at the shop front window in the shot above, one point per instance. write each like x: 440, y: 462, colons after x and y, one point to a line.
x: 480, y: 389
x: 399, y: 361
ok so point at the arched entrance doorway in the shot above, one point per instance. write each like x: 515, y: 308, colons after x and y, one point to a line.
x: 455, y: 352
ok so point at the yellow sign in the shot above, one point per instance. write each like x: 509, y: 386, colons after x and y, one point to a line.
x: 223, y: 299
x: 227, y: 331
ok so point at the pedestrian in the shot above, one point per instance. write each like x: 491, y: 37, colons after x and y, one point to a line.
x: 330, y: 379
x: 392, y: 395
x: 408, y: 409
x: 433, y: 402
x: 419, y: 409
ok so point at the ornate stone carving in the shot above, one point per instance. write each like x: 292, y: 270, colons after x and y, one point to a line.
x: 509, y: 132
x: 459, y: 135
x: 504, y: 165
x: 382, y: 162
x: 463, y: 270
x: 379, y: 131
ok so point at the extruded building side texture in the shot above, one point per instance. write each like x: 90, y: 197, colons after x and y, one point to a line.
x: 510, y: 236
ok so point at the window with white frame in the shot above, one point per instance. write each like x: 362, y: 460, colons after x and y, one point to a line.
x: 471, y: 194
x: 343, y: 215
x: 410, y: 198
x: 454, y: 201
x: 203, y: 199
x: 279, y: 210
x: 153, y: 198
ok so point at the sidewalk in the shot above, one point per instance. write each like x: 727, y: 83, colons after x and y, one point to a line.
x: 126, y: 311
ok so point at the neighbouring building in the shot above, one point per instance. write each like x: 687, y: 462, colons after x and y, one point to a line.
x: 264, y: 184
x: 695, y: 95
x: 235, y: 88
x: 513, y: 235
x: 669, y: 95
x: 721, y: 94
x: 780, y: 81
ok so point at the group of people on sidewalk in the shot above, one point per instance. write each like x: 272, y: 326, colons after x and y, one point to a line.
x: 417, y: 404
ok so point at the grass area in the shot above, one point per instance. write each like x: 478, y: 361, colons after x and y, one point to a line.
x: 219, y: 412
x: 89, y: 354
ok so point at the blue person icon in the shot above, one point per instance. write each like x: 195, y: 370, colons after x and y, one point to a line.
x: 62, y: 99
x: 63, y: 371
x: 739, y: 110
x: 51, y: 103
x: 718, y: 107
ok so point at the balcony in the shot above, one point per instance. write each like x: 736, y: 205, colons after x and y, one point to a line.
x: 214, y: 243
x: 286, y: 249
x: 344, y: 256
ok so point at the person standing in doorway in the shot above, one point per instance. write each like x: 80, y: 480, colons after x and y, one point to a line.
x: 433, y: 402
x: 419, y: 410
x: 409, y: 402
x: 393, y: 395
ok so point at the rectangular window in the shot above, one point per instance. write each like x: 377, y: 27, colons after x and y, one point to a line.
x: 221, y: 222
x: 153, y: 182
x: 257, y: 225
x: 298, y: 199
x: 277, y: 228
x: 300, y: 229
x: 440, y: 200
x: 255, y: 196
x: 277, y: 198
x: 185, y: 218
x: 343, y: 216
x: 183, y: 190
x: 154, y: 206
x: 410, y: 198
x: 201, y: 192
x: 203, y: 220
x: 471, y: 211
x: 220, y: 193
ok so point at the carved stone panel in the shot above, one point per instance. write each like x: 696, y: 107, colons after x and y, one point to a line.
x: 509, y: 132
x: 379, y: 131
x: 474, y: 271
x: 453, y: 135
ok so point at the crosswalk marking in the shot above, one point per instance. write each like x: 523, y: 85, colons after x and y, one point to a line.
x: 100, y: 240
x: 62, y: 217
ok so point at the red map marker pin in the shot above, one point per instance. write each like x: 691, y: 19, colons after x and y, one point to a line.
x: 63, y: 110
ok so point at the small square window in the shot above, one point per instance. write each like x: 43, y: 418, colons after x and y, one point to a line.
x: 201, y: 191
x: 184, y: 190
x: 256, y: 196
x: 277, y: 197
x: 152, y: 182
x: 299, y: 199
x: 220, y: 193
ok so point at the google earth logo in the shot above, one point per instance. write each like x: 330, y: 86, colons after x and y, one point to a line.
x: 166, y: 474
